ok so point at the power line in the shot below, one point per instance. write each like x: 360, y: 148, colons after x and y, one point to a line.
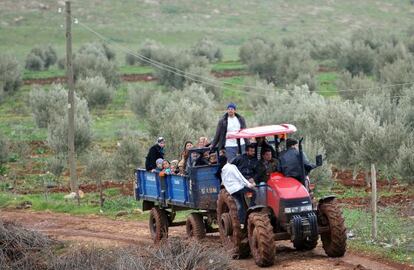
x: 206, y: 80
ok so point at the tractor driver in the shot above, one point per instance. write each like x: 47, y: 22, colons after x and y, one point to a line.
x: 237, y: 185
x: 267, y: 165
x: 289, y: 161
x: 247, y: 163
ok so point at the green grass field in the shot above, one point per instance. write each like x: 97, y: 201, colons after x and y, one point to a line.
x: 178, y: 24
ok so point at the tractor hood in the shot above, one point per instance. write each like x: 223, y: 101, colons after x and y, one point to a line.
x: 286, y: 188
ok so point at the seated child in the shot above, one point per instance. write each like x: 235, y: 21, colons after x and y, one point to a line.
x: 165, y: 168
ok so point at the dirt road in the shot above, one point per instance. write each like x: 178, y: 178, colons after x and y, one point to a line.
x: 107, y: 232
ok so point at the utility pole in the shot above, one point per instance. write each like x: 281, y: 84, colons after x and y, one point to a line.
x: 374, y: 201
x: 71, y: 103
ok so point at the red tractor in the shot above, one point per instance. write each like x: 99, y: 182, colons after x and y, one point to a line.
x: 284, y: 210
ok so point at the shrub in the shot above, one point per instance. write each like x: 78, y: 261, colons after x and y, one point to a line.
x: 56, y: 165
x: 127, y: 158
x: 321, y: 175
x: 203, y: 77
x: 57, y: 137
x: 10, y: 74
x: 139, y: 99
x: 380, y: 103
x: 278, y: 64
x: 404, y: 164
x: 351, y: 87
x: 367, y: 37
x: 130, y: 59
x: 97, y: 49
x: 97, y: 165
x: 357, y: 58
x: 34, y: 62
x: 325, y: 50
x: 4, y: 149
x: 397, y: 74
x: 257, y: 97
x: 205, y: 47
x: 95, y: 91
x: 405, y: 107
x: 388, y: 53
x: 41, y: 58
x: 168, y: 119
x: 253, y: 48
x: 151, y: 49
x: 46, y: 104
x: 61, y: 63
x: 91, y: 65
x: 179, y: 63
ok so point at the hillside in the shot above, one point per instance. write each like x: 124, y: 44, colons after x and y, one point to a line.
x: 24, y: 24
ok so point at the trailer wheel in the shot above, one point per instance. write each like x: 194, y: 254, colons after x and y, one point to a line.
x: 195, y: 226
x: 158, y: 224
x: 231, y: 235
x: 307, y: 244
x: 261, y: 242
x: 334, y: 240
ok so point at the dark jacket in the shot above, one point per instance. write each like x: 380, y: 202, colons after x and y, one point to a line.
x: 246, y: 165
x: 265, y: 145
x: 154, y: 153
x: 219, y: 140
x: 265, y: 168
x: 289, y: 164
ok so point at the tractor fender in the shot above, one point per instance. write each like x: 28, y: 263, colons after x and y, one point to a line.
x: 326, y: 199
x: 147, y: 205
x: 254, y: 209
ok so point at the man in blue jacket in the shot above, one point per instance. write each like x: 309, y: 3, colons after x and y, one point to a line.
x: 290, y: 163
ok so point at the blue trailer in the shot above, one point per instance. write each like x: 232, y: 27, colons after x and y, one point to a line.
x: 165, y: 195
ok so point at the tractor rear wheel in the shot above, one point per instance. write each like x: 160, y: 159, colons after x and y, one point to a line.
x: 158, y: 224
x: 306, y: 244
x: 334, y: 240
x: 195, y: 226
x: 261, y: 242
x: 231, y: 235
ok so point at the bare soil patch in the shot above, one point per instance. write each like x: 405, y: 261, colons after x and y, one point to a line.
x: 107, y: 232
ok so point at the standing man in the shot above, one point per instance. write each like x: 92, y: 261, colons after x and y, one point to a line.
x: 155, y: 152
x: 231, y: 121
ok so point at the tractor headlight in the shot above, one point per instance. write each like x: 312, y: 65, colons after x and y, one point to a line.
x: 298, y: 209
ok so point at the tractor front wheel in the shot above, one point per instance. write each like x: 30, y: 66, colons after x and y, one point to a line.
x: 195, y: 226
x: 158, y: 224
x: 333, y: 240
x: 231, y: 235
x: 261, y: 243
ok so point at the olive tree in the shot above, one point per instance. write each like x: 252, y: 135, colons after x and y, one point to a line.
x: 97, y: 168
x: 10, y: 75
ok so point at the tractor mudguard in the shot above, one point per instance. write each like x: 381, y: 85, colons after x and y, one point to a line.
x: 147, y: 205
x: 253, y: 209
x: 326, y: 199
